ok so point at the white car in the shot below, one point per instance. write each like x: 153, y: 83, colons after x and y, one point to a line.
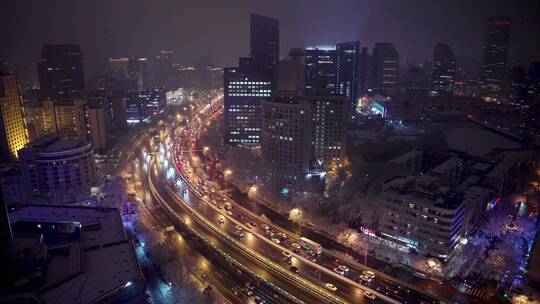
x: 221, y: 220
x: 276, y: 241
x: 286, y: 254
x: 340, y: 271
x: 265, y: 227
x: 369, y: 295
x: 364, y: 278
x: 369, y: 273
x: 237, y: 227
x: 343, y: 267
x: 332, y: 287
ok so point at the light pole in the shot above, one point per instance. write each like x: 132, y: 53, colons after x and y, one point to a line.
x: 296, y: 214
x: 251, y: 194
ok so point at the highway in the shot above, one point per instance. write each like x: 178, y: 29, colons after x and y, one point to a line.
x: 347, y: 288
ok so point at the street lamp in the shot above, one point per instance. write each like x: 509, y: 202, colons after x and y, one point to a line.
x: 252, y: 193
x: 296, y: 215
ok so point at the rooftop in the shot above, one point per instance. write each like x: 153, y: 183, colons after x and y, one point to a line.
x: 84, y: 269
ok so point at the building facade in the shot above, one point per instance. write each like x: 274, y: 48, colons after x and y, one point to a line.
x: 443, y: 70
x: 286, y: 138
x: 495, y: 53
x: 384, y: 68
x: 421, y: 215
x: 329, y: 129
x: 60, y: 71
x: 66, y: 117
x: 320, y: 67
x: 56, y: 169
x: 244, y: 89
x: 264, y: 34
x: 13, y: 128
x: 348, y: 64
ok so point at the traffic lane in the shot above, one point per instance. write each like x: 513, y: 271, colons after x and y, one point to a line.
x: 270, y: 251
x: 238, y: 255
x: 262, y: 291
x: 330, y: 262
x: 216, y: 269
x: 325, y: 261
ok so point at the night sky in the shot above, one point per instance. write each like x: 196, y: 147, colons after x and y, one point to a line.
x: 219, y: 29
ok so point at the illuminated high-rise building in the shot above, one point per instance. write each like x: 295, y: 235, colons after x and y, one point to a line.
x: 13, y: 129
x: 384, y: 68
x: 244, y: 88
x: 163, y: 67
x: 348, y: 63
x: 321, y: 67
x: 286, y: 138
x: 61, y: 74
x: 65, y: 117
x: 132, y: 71
x: 495, y: 52
x: 264, y: 36
x: 444, y: 70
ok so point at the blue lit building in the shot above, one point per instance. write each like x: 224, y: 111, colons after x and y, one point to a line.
x: 336, y: 67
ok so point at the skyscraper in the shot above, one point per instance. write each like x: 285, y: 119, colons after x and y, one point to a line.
x: 132, y: 71
x: 495, y: 50
x: 290, y: 74
x: 13, y: 129
x: 444, y: 70
x: 60, y: 71
x: 264, y: 40
x: 384, y: 70
x: 244, y: 88
x: 321, y: 67
x: 363, y: 73
x: 348, y: 60
x: 163, y: 67
x: 286, y: 138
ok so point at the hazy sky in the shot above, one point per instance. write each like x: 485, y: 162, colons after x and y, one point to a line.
x: 220, y: 28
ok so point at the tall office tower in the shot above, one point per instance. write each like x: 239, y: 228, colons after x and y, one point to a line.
x: 65, y: 117
x: 444, y: 70
x: 57, y: 169
x: 264, y: 40
x: 518, y: 86
x: 348, y: 61
x: 163, y: 67
x: 321, y: 67
x: 534, y: 79
x: 119, y: 68
x: 61, y: 74
x: 132, y: 72
x: 98, y: 127
x: 244, y: 88
x: 290, y: 74
x: 363, y: 73
x: 384, y: 71
x: 286, y: 138
x: 329, y: 128
x: 13, y: 129
x: 495, y: 51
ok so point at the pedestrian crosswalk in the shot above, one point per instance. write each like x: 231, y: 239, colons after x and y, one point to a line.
x: 470, y: 290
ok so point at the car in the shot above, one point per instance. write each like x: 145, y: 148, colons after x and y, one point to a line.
x: 286, y: 254
x: 229, y: 213
x: 364, y: 278
x: 296, y: 246
x: 240, y: 233
x: 253, y: 224
x: 332, y: 287
x: 283, y: 235
x: 249, y: 286
x: 221, y: 220
x: 220, y: 207
x: 343, y: 267
x: 249, y: 225
x: 265, y: 227
x: 237, y: 227
x: 369, y: 295
x: 369, y: 273
x: 340, y: 271
x: 277, y: 241
x: 294, y: 269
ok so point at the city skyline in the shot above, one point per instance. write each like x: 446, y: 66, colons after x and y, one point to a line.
x: 114, y: 33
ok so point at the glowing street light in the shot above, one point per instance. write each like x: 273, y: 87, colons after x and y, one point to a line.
x: 227, y: 173
x: 296, y: 215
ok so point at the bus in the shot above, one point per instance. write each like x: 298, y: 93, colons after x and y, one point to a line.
x: 310, y: 245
